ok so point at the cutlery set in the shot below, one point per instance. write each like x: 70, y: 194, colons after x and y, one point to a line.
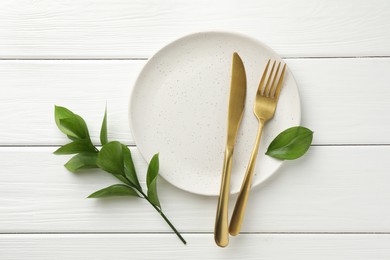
x: 264, y: 109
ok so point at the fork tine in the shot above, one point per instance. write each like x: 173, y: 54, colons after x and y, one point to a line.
x: 279, y: 86
x: 273, y: 84
x: 261, y: 84
x: 266, y: 91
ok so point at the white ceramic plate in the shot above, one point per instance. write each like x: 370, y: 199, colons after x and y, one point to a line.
x: 179, y: 108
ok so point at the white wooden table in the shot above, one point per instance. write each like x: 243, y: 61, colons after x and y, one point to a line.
x: 334, y: 203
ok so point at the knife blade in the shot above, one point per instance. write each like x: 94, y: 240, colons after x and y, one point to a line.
x: 235, y: 112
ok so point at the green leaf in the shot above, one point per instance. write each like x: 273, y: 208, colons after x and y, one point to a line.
x: 70, y: 124
x: 130, y: 172
x: 110, y: 158
x: 77, y: 146
x: 61, y: 113
x: 291, y: 143
x: 123, y: 179
x: 114, y: 191
x: 82, y: 161
x: 151, y: 180
x: 72, y: 138
x: 74, y: 127
x: 103, y: 131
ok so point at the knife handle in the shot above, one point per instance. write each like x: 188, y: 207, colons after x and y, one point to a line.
x: 242, y: 199
x: 221, y: 230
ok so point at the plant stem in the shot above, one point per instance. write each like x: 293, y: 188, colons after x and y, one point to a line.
x: 158, y: 210
x: 164, y: 217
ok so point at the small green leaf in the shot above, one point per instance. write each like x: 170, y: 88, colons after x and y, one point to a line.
x: 291, y: 143
x: 74, y: 127
x: 114, y: 191
x: 152, y: 193
x: 110, y: 158
x: 82, y: 161
x: 78, y: 146
x: 151, y: 180
x: 61, y: 113
x: 130, y: 172
x: 103, y: 131
x: 72, y: 138
x: 70, y: 124
x: 123, y: 179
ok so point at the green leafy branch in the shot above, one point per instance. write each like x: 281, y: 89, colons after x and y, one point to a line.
x: 113, y: 157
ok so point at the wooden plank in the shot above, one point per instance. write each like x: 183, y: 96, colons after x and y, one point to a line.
x: 340, y: 100
x: 200, y: 246
x: 30, y: 89
x: 118, y: 29
x: 331, y: 189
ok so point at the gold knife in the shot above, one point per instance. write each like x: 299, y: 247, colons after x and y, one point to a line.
x: 236, y: 108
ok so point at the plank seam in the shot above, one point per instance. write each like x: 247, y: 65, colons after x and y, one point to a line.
x: 134, y: 145
x: 145, y: 58
x: 190, y: 233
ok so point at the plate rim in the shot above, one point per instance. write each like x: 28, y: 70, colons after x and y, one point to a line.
x: 221, y: 32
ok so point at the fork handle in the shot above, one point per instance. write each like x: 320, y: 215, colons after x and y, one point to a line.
x: 242, y: 199
x: 221, y: 230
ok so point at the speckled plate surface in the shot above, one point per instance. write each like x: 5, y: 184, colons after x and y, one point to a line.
x: 179, y: 105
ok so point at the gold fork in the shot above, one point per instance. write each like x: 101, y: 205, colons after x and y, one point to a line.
x: 264, y: 109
